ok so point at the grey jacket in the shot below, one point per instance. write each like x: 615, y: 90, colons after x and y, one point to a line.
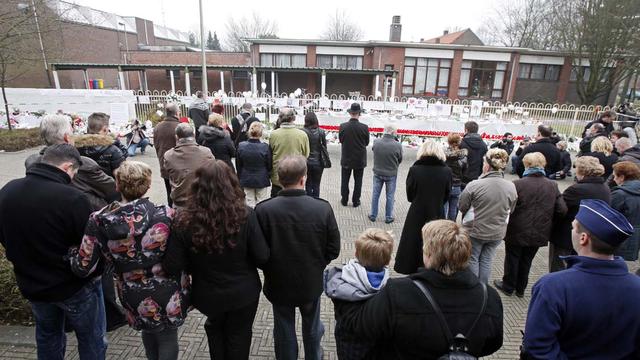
x: 350, y: 282
x: 486, y: 204
x: 387, y: 155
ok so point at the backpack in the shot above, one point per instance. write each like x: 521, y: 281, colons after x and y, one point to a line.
x: 458, y: 346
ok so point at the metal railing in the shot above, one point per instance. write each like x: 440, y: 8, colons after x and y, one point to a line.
x: 567, y: 120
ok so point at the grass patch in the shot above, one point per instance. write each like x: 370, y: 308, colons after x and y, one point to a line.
x: 14, y: 308
x: 20, y: 139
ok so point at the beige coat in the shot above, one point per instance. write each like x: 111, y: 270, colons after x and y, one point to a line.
x: 180, y: 163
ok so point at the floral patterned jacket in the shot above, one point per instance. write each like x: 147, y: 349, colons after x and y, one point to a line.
x: 133, y: 236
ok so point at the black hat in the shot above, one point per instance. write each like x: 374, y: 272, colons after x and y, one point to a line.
x: 355, y: 109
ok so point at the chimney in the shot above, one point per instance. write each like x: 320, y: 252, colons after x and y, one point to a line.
x: 446, y: 32
x: 395, y: 30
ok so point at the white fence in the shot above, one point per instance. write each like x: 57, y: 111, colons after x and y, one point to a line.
x: 414, y: 116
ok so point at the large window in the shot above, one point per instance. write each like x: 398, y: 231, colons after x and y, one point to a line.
x: 423, y: 76
x: 575, y: 70
x: 484, y: 79
x: 539, y: 72
x: 283, y: 60
x: 339, y: 62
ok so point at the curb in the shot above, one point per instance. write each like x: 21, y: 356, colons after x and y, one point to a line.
x: 18, y: 335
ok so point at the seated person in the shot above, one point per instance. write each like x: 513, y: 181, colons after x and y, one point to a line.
x: 566, y: 162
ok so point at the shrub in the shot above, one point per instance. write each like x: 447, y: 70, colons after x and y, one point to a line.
x: 14, y: 309
x: 20, y: 139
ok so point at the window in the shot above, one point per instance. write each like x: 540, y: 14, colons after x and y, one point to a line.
x: 484, y: 79
x: 283, y: 60
x: 574, y: 73
x: 539, y: 72
x: 176, y: 74
x: 424, y: 76
x: 339, y: 62
x: 241, y: 74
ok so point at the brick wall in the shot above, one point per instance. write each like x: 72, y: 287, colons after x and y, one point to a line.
x: 389, y: 56
x: 454, y: 79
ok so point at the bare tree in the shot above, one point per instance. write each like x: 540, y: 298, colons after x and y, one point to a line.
x: 341, y: 27
x: 519, y: 23
x: 604, y: 32
x: 254, y: 27
x: 21, y: 47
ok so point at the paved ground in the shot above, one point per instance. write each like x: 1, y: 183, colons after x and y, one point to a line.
x: 125, y: 343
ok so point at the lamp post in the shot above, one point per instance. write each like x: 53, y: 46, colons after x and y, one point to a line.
x: 25, y: 8
x: 205, y: 85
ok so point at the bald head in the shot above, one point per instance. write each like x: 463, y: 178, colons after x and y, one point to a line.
x: 623, y: 144
x: 172, y: 109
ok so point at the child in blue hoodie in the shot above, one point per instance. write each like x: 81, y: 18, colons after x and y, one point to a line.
x: 356, y: 281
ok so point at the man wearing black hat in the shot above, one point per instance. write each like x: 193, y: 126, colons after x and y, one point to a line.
x: 592, y: 309
x: 41, y: 217
x: 354, y: 137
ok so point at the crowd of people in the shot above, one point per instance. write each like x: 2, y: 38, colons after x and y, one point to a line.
x: 79, y: 231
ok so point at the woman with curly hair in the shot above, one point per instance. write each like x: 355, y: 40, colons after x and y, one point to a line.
x: 217, y: 239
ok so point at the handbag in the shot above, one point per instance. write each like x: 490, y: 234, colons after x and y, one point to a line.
x: 458, y: 346
x: 325, y: 160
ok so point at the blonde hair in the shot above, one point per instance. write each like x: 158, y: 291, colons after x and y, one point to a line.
x: 431, y: 148
x: 216, y: 120
x: 589, y: 166
x: 497, y: 159
x: 374, y: 248
x: 133, y: 179
x: 446, y: 245
x: 255, y: 130
x: 454, y: 139
x: 602, y: 144
x: 534, y: 159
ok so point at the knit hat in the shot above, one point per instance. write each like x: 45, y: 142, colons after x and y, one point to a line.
x: 604, y: 222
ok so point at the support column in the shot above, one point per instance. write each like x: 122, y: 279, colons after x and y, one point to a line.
x: 121, y: 78
x: 173, y: 82
x: 323, y: 84
x: 85, y: 74
x: 563, y: 82
x: 222, y: 81
x: 187, y: 83
x: 513, y: 78
x: 55, y: 79
x: 254, y: 81
x: 375, y: 94
x: 393, y: 86
x: 144, y: 77
x: 273, y: 84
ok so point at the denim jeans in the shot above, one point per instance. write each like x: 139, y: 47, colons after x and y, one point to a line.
x: 451, y: 206
x: 142, y: 145
x: 389, y: 183
x: 314, y: 176
x: 284, y: 331
x: 161, y: 345
x: 515, y: 160
x: 85, y: 313
x: 482, y: 254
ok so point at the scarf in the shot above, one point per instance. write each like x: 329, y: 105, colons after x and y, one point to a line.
x: 533, y: 170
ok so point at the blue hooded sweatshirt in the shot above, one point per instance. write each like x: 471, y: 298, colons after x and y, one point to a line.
x: 589, y: 311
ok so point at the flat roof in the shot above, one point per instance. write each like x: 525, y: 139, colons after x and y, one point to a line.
x: 136, y: 67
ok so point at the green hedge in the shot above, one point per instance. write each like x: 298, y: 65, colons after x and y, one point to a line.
x: 14, y: 309
x: 19, y: 139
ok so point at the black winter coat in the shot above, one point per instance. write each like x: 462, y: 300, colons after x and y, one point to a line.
x: 254, y: 164
x: 565, y: 159
x: 401, y: 318
x: 219, y: 142
x: 587, y: 188
x: 457, y: 162
x: 237, y: 134
x: 428, y: 188
x: 41, y: 217
x: 303, y: 236
x: 317, y: 141
x: 476, y: 148
x: 608, y: 127
x: 221, y: 281
x: 504, y: 145
x: 354, y: 137
x: 539, y: 202
x: 103, y: 149
x: 626, y: 199
x: 548, y: 149
x: 606, y: 161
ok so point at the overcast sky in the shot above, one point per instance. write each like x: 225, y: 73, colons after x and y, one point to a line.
x: 307, y: 19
